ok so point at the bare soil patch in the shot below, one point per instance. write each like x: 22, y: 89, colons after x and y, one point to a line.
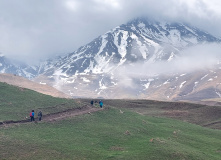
x: 117, y: 148
x: 175, y: 113
x: 210, y: 124
x: 70, y: 113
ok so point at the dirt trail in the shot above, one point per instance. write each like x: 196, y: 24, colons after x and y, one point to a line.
x: 86, y: 109
x: 207, y: 125
x: 70, y: 113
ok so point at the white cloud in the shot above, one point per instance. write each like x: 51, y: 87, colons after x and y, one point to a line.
x: 190, y: 60
x: 109, y: 3
x: 73, y: 5
x: 30, y: 28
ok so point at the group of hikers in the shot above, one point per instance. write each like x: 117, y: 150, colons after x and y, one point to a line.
x: 32, y: 115
x: 100, y: 103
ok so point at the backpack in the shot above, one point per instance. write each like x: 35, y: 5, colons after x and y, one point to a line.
x: 30, y: 114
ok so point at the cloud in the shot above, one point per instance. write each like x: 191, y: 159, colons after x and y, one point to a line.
x: 31, y: 30
x: 197, y: 58
x: 190, y: 60
x: 72, y: 5
x: 105, y: 4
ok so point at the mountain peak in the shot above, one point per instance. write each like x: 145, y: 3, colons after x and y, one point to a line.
x: 111, y: 64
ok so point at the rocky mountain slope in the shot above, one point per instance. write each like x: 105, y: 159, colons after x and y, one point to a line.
x: 140, y: 59
x: 122, y: 63
x: 8, y: 66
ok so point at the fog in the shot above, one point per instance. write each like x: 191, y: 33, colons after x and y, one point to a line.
x: 193, y: 59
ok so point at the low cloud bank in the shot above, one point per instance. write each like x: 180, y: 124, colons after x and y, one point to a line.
x: 201, y: 57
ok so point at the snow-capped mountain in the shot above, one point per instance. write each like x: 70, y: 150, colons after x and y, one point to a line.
x: 140, y: 59
x: 139, y: 40
x: 7, y: 66
x: 110, y: 66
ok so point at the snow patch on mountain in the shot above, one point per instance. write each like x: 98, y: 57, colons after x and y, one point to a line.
x: 181, y: 85
x: 140, y: 58
x: 146, y: 85
x: 204, y: 77
x: 85, y: 79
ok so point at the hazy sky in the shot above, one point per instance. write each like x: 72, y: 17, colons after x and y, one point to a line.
x: 36, y: 29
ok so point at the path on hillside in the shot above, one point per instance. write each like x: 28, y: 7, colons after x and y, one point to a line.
x: 86, y: 109
x: 70, y: 113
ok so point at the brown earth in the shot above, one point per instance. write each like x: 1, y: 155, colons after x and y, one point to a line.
x: 25, y: 83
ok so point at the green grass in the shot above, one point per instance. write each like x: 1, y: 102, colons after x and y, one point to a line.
x: 109, y: 134
x: 193, y: 113
x: 16, y: 103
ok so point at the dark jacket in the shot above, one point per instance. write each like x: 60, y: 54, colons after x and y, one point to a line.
x: 40, y: 114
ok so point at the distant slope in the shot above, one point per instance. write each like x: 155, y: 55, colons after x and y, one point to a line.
x: 25, y: 83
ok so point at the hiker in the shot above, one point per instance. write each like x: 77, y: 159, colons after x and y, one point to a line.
x: 92, y: 102
x: 39, y: 115
x: 32, y: 115
x: 101, y: 104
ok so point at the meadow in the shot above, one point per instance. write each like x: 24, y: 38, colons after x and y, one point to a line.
x: 110, y: 134
x: 119, y: 131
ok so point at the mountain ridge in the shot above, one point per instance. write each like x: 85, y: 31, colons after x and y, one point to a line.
x: 114, y: 65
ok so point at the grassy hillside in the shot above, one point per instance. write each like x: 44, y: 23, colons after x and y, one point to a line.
x: 111, y: 134
x: 209, y: 116
x: 124, y: 129
x: 16, y: 102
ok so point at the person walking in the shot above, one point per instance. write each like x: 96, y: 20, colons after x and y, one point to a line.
x: 39, y: 115
x: 92, y: 102
x: 32, y: 115
x: 101, y: 104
